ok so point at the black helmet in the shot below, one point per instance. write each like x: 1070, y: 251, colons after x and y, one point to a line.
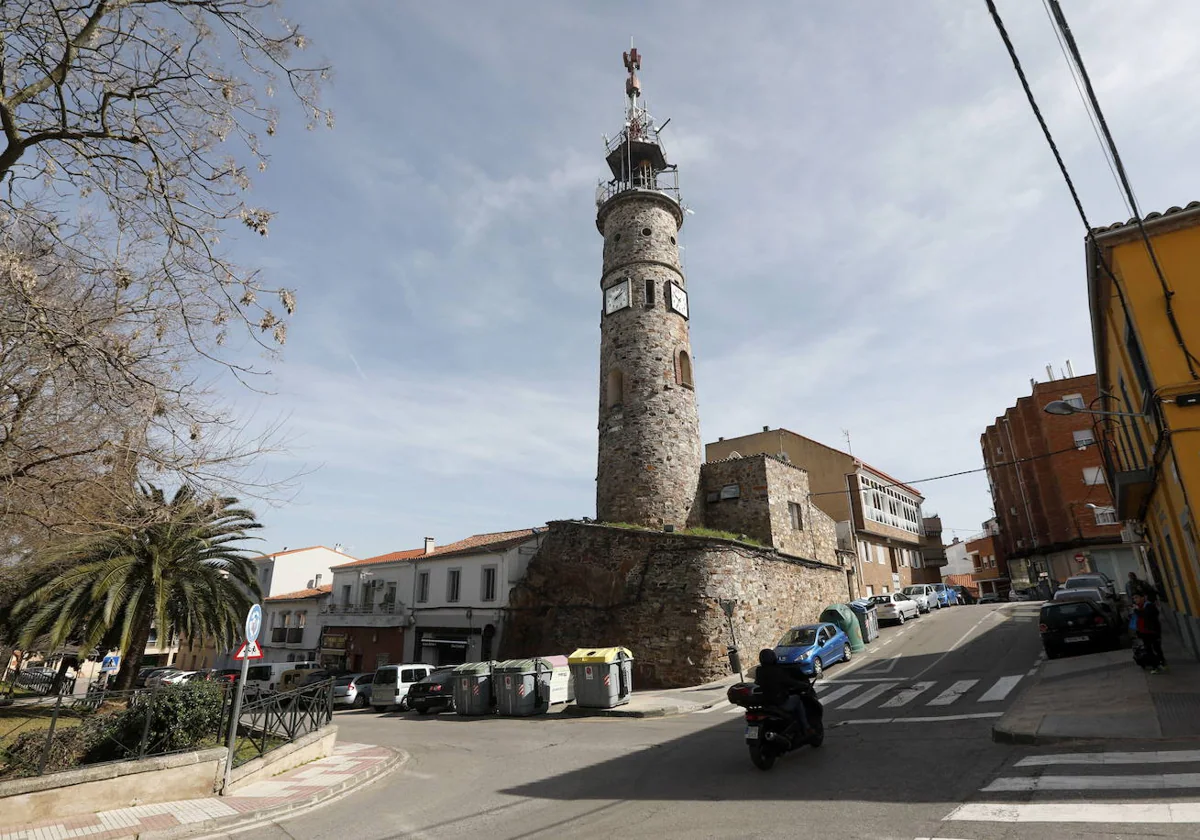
x: 766, y: 656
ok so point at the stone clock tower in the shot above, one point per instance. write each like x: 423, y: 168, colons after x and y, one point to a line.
x: 650, y: 451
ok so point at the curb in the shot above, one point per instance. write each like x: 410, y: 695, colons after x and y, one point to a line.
x: 238, y: 822
x: 652, y: 712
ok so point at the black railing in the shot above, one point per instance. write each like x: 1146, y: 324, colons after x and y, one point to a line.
x: 51, y: 734
x: 33, y: 682
x: 270, y: 721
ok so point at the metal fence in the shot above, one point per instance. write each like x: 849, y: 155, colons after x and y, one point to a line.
x: 33, y: 682
x: 272, y: 720
x: 49, y: 734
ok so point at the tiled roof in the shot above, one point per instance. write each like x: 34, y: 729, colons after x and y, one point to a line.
x: 965, y: 581
x: 1149, y: 217
x: 302, y: 593
x: 496, y: 541
x: 294, y: 550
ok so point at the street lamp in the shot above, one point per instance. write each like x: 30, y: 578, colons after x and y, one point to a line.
x: 1063, y: 408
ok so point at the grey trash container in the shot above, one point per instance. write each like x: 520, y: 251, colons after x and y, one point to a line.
x: 868, y: 618
x: 603, y: 676
x: 473, y: 688
x: 522, y: 686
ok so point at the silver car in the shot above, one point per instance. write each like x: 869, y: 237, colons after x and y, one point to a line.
x: 925, y: 596
x: 353, y: 690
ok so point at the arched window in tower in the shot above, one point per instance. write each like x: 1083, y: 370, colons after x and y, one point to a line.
x: 649, y: 292
x: 683, y: 369
x: 615, y: 391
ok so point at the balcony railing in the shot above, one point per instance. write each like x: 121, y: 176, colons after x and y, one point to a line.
x: 383, y: 608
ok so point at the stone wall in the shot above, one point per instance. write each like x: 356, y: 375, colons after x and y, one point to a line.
x: 766, y: 487
x: 659, y: 595
x: 648, y: 465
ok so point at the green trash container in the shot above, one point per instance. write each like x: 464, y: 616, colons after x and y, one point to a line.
x: 603, y: 676
x: 844, y: 617
x: 473, y: 688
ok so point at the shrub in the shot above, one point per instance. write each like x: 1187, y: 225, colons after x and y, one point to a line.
x: 67, y: 748
x: 182, y: 717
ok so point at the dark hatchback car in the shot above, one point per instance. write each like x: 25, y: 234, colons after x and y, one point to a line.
x: 434, y: 693
x: 1077, y: 626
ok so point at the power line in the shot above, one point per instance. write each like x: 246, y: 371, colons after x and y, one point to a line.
x: 1062, y: 167
x: 1168, y: 292
x: 964, y: 472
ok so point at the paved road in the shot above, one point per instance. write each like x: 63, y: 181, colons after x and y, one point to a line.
x: 907, y: 755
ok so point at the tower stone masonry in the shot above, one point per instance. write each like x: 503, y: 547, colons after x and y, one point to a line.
x: 650, y: 452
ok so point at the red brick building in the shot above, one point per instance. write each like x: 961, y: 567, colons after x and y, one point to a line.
x: 1054, y: 511
x: 989, y: 567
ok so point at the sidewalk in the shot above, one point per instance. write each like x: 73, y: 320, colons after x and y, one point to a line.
x: 1105, y: 696
x: 650, y: 704
x: 350, y: 766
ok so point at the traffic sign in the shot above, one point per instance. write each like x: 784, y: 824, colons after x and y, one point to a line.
x: 110, y: 663
x: 253, y: 623
x: 249, y: 650
x: 1081, y: 558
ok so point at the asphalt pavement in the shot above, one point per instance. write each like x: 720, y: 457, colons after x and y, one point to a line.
x: 908, y: 754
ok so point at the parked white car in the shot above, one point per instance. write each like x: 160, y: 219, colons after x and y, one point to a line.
x: 925, y: 596
x: 389, y: 689
x: 895, y: 606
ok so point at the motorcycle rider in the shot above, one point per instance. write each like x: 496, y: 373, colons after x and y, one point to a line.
x: 783, y: 686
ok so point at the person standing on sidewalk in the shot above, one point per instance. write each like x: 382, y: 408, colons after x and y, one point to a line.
x: 1148, y: 627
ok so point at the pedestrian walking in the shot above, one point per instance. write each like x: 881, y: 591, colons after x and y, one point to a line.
x: 1134, y: 585
x: 1148, y: 627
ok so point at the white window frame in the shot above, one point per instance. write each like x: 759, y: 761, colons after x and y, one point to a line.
x: 454, y: 585
x: 1106, y: 516
x: 423, y: 587
x: 1075, y: 400
x: 1083, y: 437
x: 483, y: 579
x: 1093, y: 476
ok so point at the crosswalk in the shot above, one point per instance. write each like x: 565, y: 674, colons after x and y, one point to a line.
x: 897, y: 694
x: 1162, y: 789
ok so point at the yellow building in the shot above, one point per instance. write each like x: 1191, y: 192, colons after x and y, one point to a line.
x: 1146, y: 336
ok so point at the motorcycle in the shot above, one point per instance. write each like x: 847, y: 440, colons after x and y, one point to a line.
x: 766, y: 724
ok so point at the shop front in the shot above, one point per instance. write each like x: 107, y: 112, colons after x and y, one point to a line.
x: 360, y: 649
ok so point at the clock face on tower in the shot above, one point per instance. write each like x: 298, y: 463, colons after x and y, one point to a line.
x: 679, y: 301
x: 616, y: 297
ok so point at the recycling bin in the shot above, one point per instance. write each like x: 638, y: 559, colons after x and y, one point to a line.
x: 472, y: 690
x: 603, y: 676
x: 842, y: 616
x: 522, y: 686
x: 868, y: 618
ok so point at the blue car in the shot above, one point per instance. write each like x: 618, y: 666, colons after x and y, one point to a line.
x: 814, y: 647
x: 947, y: 597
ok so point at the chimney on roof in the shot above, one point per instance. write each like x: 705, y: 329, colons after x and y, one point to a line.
x: 766, y: 428
x: 429, y: 545
x: 318, y: 580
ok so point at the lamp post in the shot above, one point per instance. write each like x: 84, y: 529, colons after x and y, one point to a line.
x: 1063, y: 408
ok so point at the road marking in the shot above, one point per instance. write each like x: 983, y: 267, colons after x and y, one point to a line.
x: 952, y: 693
x: 841, y: 692
x: 929, y: 719
x: 1152, y: 757
x: 1154, y: 781
x: 885, y: 667
x: 1178, y: 813
x: 907, y: 695
x: 868, y: 695
x: 1000, y: 690
x: 961, y: 639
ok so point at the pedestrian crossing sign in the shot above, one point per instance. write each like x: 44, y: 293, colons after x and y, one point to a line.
x: 249, y: 650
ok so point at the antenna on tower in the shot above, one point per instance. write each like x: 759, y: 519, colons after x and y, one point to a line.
x: 846, y: 435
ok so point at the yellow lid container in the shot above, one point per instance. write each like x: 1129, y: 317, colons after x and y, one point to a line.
x: 593, y: 655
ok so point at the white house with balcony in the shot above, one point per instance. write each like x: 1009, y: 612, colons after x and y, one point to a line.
x: 441, y: 606
x: 292, y: 624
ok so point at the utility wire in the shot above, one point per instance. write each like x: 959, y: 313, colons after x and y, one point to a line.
x: 964, y: 472
x: 1168, y: 292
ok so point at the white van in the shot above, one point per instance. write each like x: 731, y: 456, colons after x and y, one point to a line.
x: 263, y: 679
x: 392, y: 682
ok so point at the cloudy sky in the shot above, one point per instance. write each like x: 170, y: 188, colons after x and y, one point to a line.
x: 881, y: 241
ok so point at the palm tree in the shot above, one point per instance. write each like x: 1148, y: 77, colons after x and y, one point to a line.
x: 178, y: 570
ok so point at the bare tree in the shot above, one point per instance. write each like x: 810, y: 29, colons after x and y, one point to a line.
x: 129, y: 131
